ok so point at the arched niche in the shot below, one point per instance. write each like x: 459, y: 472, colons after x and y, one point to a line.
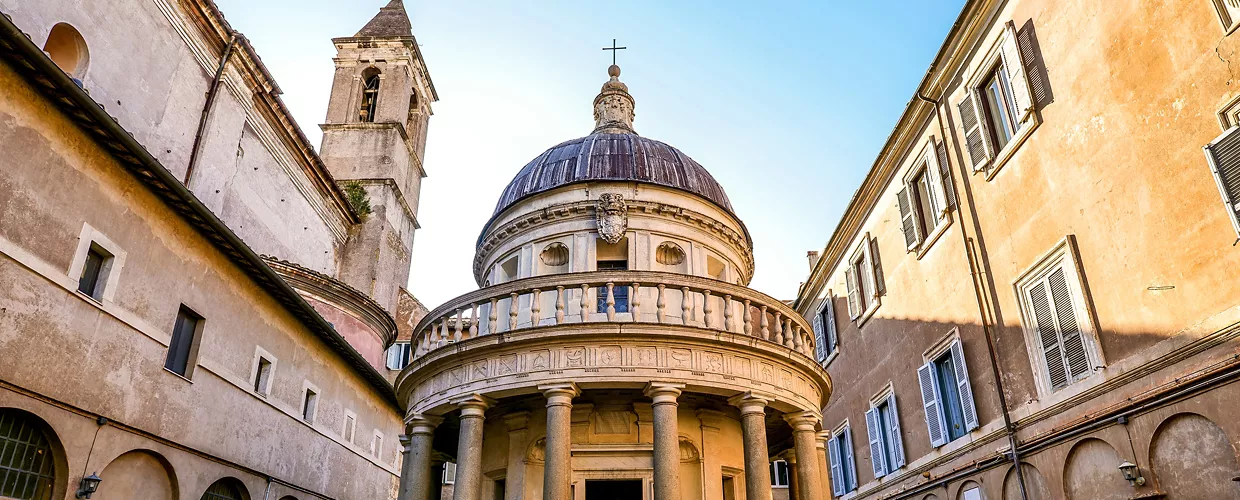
x: 1092, y: 472
x: 226, y: 489
x: 970, y: 490
x: 1036, y: 487
x: 1193, y: 458
x: 138, y: 474
x: 370, y: 94
x: 68, y: 50
x: 34, y: 459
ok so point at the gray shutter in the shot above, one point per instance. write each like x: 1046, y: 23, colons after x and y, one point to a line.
x: 1016, y: 74
x: 832, y: 338
x: 928, y: 379
x: 878, y: 458
x: 837, y: 468
x: 897, y: 437
x: 849, y: 459
x: 880, y: 284
x: 1074, y: 351
x: 1052, y: 352
x: 820, y: 333
x: 854, y: 307
x: 967, y: 408
x: 907, y: 222
x: 975, y: 143
x: 1223, y: 155
x: 945, y: 176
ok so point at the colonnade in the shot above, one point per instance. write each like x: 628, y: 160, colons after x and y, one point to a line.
x: 809, y: 459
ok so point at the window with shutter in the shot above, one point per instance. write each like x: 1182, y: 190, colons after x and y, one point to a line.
x: 945, y: 176
x: 1223, y: 157
x: 908, y: 220
x: 930, y: 401
x: 876, y: 265
x: 854, y: 295
x: 1013, y: 63
x: 1057, y: 321
x: 975, y: 142
x: 968, y: 409
x: 894, y: 437
x: 822, y: 341
x: 1228, y: 13
x: 878, y: 451
x: 828, y: 321
x: 838, y: 481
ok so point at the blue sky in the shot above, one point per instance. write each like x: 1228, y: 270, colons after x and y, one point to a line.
x: 786, y: 104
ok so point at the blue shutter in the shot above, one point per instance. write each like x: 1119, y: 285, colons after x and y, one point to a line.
x: 897, y: 438
x: 837, y: 468
x: 820, y: 333
x: 873, y: 429
x: 829, y: 322
x: 967, y: 408
x: 849, y: 459
x: 928, y: 380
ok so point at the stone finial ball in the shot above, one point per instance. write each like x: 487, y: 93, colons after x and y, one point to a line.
x: 613, y: 71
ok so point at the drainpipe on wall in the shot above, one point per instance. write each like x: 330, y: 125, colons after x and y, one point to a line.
x: 206, y: 107
x: 974, y: 274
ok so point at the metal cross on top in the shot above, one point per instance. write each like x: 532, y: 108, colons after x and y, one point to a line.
x: 613, y: 50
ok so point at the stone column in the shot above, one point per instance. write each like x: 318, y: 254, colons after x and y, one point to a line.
x: 514, y: 481
x: 415, y: 473
x: 558, y: 466
x: 804, y: 435
x: 824, y: 471
x: 469, y: 447
x: 757, y: 462
x: 666, y: 439
x: 794, y: 486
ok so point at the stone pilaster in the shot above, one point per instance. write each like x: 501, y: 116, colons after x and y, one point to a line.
x: 518, y: 438
x: 824, y: 470
x: 804, y: 434
x: 469, y: 447
x: 558, y: 468
x: 415, y: 474
x: 757, y: 462
x: 711, y: 421
x: 666, y: 439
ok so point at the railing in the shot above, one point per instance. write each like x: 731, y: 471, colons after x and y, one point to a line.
x: 591, y: 297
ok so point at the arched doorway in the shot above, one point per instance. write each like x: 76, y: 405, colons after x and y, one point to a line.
x: 137, y: 474
x: 27, y: 465
x: 226, y: 489
x: 1193, y: 458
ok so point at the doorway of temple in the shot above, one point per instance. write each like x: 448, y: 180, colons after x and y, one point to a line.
x: 628, y: 489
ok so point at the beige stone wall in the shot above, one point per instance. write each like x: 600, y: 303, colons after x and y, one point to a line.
x: 80, y: 358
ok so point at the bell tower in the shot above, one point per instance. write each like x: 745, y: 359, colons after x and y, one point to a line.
x: 373, y: 141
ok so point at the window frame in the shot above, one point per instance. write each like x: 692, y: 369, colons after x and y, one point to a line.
x: 998, y: 57
x: 257, y: 384
x: 1063, y: 255
x: 826, y: 331
x: 889, y: 432
x: 775, y: 482
x: 195, y: 341
x: 951, y: 346
x: 376, y: 443
x: 405, y: 355
x: 841, y: 440
x: 928, y: 164
x: 109, y: 273
x: 348, y: 432
x: 1227, y: 19
x: 309, y: 406
x: 870, y: 287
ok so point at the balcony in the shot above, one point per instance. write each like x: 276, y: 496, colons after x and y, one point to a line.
x: 621, y: 297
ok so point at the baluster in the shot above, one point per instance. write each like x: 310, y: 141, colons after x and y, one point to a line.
x: 535, y: 307
x: 585, y: 292
x: 421, y: 346
x: 779, y: 329
x: 660, y: 306
x: 808, y: 342
x: 458, y: 337
x: 747, y: 317
x: 559, y: 305
x: 764, y: 324
x: 708, y: 309
x: 788, y: 328
x: 493, y: 316
x: 635, y: 303
x: 729, y: 324
x: 473, y: 325
x: 686, y: 305
x: 512, y: 311
x: 611, y: 302
x: 798, y: 343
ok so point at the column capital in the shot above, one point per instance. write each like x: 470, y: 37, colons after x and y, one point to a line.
x: 473, y: 405
x: 788, y: 455
x: 560, y: 394
x: 803, y: 421
x: 751, y: 402
x: 664, y: 392
x: 421, y: 423
x: 517, y: 420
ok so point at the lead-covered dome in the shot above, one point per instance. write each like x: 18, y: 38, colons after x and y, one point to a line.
x: 604, y: 156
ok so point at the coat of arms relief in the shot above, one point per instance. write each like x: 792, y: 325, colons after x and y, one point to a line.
x: 612, y: 216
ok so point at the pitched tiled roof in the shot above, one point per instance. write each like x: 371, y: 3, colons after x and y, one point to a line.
x: 390, y: 21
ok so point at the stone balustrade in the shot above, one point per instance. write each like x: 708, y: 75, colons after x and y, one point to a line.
x: 647, y: 297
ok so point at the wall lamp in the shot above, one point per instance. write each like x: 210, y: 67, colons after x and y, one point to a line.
x: 1130, y: 472
x: 88, y: 487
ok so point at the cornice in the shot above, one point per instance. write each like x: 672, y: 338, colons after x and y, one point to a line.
x: 333, y: 291
x: 585, y: 210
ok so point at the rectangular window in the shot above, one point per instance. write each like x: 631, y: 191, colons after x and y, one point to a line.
x: 864, y: 278
x: 620, y: 291
x: 1058, y: 326
x: 886, y: 443
x: 923, y: 199
x: 376, y: 444
x: 947, y: 396
x: 1223, y: 157
x: 308, y: 405
x: 843, y: 466
x: 398, y: 355
x: 262, y: 376
x: 779, y: 474
x: 825, y: 339
x: 94, y: 272
x: 926, y: 197
x: 183, y: 347
x: 997, y: 106
x: 350, y: 423
x: 972, y: 494
x: 449, y: 473
x: 999, y: 110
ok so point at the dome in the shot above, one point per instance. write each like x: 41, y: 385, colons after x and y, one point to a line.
x: 612, y: 157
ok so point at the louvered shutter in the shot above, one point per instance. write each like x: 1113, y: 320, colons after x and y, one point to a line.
x: 854, y: 307
x: 1223, y: 155
x: 873, y: 429
x: 1075, y: 355
x: 1044, y: 322
x: 945, y: 176
x: 908, y: 222
x: 897, y: 437
x: 849, y: 459
x: 1016, y: 74
x: 928, y: 379
x: 829, y: 323
x: 974, y: 139
x: 837, y: 468
x: 820, y: 333
x: 880, y: 284
x: 967, y: 408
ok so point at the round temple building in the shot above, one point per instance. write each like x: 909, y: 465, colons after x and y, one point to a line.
x: 614, y: 349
